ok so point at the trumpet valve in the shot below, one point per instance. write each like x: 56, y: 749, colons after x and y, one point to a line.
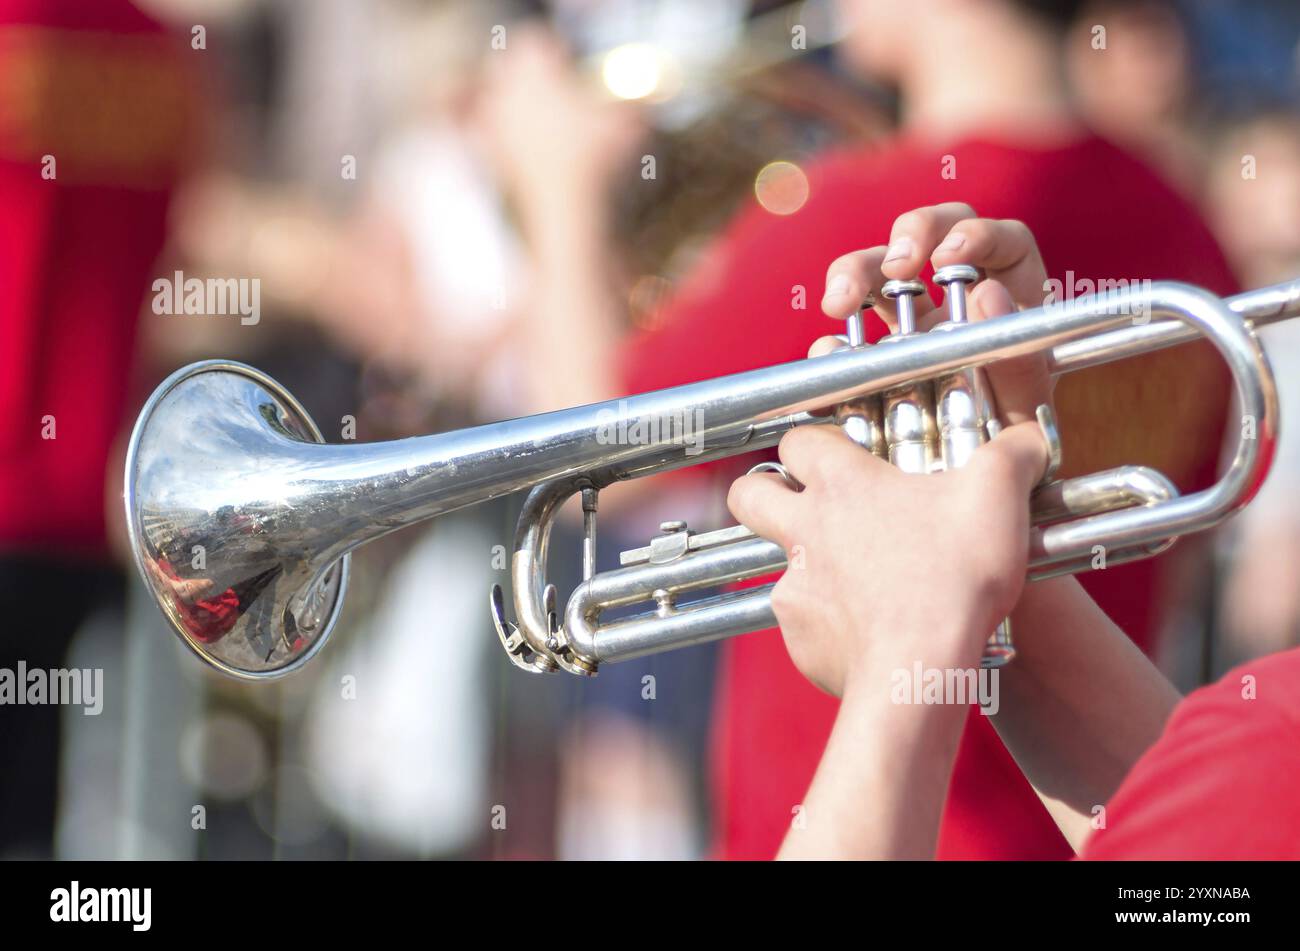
x: 963, y: 415
x: 909, y: 428
x: 953, y: 279
x: 857, y: 323
x: 863, y: 421
x: 904, y: 294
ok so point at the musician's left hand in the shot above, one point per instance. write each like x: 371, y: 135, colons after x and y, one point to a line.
x: 886, y: 567
x: 889, y: 568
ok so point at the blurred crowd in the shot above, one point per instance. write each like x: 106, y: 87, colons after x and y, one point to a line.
x: 466, y: 211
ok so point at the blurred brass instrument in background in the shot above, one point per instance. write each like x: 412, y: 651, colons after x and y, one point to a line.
x: 242, y: 520
x: 654, y: 73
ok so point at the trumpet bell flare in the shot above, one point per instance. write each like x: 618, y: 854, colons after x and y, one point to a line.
x: 237, y: 586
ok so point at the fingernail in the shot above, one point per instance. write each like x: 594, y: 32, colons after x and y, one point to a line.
x: 902, y: 248
x: 838, y: 286
x: 954, y: 242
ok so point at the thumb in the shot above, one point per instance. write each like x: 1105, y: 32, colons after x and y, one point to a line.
x: 1020, y: 384
x: 1020, y: 451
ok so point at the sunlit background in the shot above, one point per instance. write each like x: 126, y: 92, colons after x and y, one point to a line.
x: 402, y: 295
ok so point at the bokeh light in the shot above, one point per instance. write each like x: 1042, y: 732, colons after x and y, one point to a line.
x: 224, y: 755
x: 781, y: 187
x: 633, y: 70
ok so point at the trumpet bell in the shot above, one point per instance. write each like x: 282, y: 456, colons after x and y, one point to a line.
x: 224, y: 539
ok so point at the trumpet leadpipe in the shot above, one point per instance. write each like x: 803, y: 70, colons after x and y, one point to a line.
x: 1258, y: 308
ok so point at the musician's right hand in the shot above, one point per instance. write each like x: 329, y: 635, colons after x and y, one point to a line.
x: 1004, y: 251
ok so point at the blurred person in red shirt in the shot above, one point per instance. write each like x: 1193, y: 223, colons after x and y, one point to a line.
x: 985, y: 119
x: 1130, y: 66
x: 93, y: 123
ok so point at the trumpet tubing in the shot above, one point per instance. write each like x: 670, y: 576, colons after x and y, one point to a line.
x: 242, y: 520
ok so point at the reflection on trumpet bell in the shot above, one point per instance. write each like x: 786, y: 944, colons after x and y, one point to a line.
x: 223, y: 527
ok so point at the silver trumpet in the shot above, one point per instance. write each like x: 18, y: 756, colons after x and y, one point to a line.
x: 242, y: 520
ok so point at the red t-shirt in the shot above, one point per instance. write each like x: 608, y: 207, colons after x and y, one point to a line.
x: 1098, y: 215
x: 1223, y: 780
x: 93, y: 117
x: 207, y: 619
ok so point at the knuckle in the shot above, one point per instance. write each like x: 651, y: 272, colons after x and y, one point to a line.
x: 856, y: 264
x: 819, y: 464
x: 738, y: 497
x: 844, y: 264
x: 817, y: 452
x: 916, y: 221
x: 824, y: 345
x: 784, y: 600
x: 1019, y: 231
x: 819, y: 469
x: 976, y: 230
x: 795, y: 444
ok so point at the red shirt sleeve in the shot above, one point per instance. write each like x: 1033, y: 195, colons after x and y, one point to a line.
x: 1223, y: 780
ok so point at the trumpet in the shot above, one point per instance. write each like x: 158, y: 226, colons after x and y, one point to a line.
x: 242, y: 519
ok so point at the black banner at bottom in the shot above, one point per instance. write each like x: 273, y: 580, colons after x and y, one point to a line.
x: 928, y: 901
